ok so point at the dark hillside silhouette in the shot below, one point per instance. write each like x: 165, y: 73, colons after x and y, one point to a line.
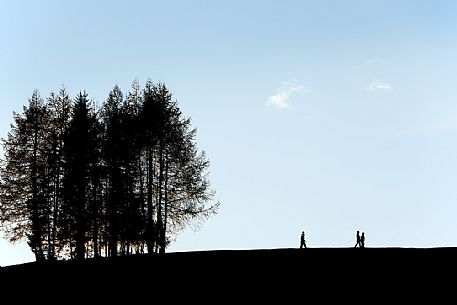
x: 262, y: 273
x: 78, y: 181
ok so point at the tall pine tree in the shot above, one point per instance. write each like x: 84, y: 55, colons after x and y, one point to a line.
x: 79, y: 155
x: 23, y: 177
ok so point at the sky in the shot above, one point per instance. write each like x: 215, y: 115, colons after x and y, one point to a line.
x: 320, y: 116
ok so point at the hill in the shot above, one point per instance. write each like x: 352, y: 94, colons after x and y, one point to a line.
x: 253, y: 271
x: 327, y: 258
x: 312, y: 259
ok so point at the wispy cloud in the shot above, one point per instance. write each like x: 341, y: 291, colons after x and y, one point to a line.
x: 380, y: 86
x: 281, y: 100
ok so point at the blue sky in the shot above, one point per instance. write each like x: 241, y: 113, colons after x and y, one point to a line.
x: 323, y: 116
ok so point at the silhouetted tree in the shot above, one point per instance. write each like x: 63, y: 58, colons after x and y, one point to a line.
x: 149, y: 125
x: 187, y: 187
x: 23, y: 175
x: 60, y: 108
x: 112, y: 155
x: 133, y: 217
x: 161, y: 98
x: 96, y: 191
x: 79, y: 155
x: 182, y: 186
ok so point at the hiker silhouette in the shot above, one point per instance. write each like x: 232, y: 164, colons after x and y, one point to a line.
x: 362, y: 240
x: 302, y: 240
x: 358, y: 241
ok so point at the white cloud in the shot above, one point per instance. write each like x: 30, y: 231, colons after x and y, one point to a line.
x: 281, y: 99
x: 380, y: 86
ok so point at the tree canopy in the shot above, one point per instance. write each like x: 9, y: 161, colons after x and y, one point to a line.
x: 81, y: 181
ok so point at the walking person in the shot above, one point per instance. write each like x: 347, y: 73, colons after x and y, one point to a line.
x: 302, y: 240
x: 362, y: 240
x: 358, y: 243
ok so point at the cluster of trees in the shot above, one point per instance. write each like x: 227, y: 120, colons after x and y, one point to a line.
x: 80, y: 181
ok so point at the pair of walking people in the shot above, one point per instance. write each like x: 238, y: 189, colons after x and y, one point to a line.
x: 360, y: 240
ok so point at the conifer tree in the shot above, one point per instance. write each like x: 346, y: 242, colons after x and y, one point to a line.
x: 23, y: 177
x: 79, y: 155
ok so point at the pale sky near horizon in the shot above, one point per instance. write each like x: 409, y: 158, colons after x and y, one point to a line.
x: 323, y: 116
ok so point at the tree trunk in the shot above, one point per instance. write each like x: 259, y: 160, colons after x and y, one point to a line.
x: 164, y: 229
x: 159, y: 208
x: 95, y: 220
x: 150, y: 223
x: 36, y: 227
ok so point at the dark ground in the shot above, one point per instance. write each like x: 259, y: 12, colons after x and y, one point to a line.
x: 265, y: 272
